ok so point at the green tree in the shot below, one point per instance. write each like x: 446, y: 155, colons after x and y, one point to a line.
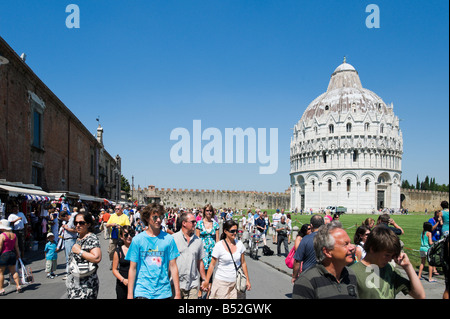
x: 125, y: 185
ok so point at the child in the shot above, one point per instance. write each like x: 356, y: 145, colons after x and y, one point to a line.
x: 51, y: 256
x: 139, y: 228
x: 425, y: 242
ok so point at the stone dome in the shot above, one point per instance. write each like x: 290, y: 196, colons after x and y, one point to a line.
x: 344, y: 93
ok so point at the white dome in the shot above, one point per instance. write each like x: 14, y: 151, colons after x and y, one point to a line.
x: 344, y: 93
x: 344, y: 67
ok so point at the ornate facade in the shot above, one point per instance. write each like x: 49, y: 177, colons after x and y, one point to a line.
x: 346, y: 149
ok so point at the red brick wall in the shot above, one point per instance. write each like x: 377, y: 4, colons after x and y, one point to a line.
x: 67, y: 144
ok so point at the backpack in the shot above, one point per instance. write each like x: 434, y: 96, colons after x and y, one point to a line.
x: 435, y: 255
x: 267, y: 251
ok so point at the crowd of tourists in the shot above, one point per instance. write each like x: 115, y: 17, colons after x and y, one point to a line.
x: 158, y: 253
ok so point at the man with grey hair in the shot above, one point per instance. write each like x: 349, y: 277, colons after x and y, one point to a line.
x: 330, y: 278
x: 190, y: 262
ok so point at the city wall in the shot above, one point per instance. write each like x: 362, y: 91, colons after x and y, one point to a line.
x: 418, y: 200
x: 217, y: 198
x: 413, y: 200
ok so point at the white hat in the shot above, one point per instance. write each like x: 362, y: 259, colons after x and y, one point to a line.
x: 50, y: 234
x: 4, y: 224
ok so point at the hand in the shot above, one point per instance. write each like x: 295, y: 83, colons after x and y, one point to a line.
x: 249, y: 286
x: 204, y: 287
x: 76, y: 249
x: 402, y: 260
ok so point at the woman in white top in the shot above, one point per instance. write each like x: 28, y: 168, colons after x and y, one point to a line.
x: 359, y: 240
x: 224, y: 284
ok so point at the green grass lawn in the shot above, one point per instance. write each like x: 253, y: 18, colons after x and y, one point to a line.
x: 412, y: 225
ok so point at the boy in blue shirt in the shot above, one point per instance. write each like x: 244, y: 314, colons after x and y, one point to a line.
x: 152, y: 254
x: 51, y: 256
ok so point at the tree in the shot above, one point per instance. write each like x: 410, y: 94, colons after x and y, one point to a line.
x: 405, y: 184
x: 417, y: 182
x: 125, y: 185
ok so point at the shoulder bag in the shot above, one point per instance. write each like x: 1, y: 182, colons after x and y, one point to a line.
x: 241, y: 279
x: 82, y: 268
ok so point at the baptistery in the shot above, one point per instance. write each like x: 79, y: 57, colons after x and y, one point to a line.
x: 346, y: 150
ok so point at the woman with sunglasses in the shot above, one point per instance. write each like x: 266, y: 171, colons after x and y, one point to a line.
x: 207, y: 230
x: 224, y: 284
x: 86, y: 249
x: 121, y: 266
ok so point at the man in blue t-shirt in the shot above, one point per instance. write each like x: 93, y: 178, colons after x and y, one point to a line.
x: 152, y: 254
x: 305, y: 252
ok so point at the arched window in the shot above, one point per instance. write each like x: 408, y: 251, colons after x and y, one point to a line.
x: 324, y: 155
x: 381, y: 128
x: 329, y: 185
x: 331, y: 128
x: 313, y: 185
x: 349, y: 127
x: 349, y: 185
x: 366, y: 126
x: 355, y: 155
x: 316, y: 130
x: 367, y: 185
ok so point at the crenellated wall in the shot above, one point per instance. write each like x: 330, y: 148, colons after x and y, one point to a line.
x: 418, y: 200
x: 218, y: 198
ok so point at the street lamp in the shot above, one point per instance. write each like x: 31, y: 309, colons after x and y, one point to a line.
x: 116, y: 173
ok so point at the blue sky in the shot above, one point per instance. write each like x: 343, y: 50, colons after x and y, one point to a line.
x: 147, y: 67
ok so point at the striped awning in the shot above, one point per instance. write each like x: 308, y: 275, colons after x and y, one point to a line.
x: 34, y: 194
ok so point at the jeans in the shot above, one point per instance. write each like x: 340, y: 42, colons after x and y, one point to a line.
x: 68, y: 243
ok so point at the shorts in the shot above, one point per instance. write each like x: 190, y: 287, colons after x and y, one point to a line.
x: 8, y: 258
x: 423, y: 254
x: 223, y: 290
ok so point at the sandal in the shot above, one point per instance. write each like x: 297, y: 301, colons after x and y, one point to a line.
x: 2, y: 292
x: 432, y: 280
x: 19, y: 290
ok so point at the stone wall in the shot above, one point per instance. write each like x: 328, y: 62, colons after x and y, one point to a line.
x: 413, y: 200
x: 217, y: 198
x: 418, y: 200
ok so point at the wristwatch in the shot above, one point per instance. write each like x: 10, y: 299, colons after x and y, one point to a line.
x: 81, y: 253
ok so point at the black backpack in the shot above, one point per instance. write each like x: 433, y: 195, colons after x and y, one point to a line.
x: 267, y: 251
x: 435, y: 255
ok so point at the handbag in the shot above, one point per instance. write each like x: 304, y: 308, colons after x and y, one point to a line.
x: 25, y: 274
x: 81, y: 269
x: 241, y: 279
x: 290, y: 258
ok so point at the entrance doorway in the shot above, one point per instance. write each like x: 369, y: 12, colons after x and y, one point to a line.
x: 380, y: 200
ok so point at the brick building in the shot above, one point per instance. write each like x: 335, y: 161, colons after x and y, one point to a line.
x: 43, y: 143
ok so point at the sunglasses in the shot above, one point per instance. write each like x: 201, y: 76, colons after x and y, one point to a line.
x: 128, y: 235
x: 155, y: 218
x: 192, y: 221
x: 233, y: 231
x: 81, y: 223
